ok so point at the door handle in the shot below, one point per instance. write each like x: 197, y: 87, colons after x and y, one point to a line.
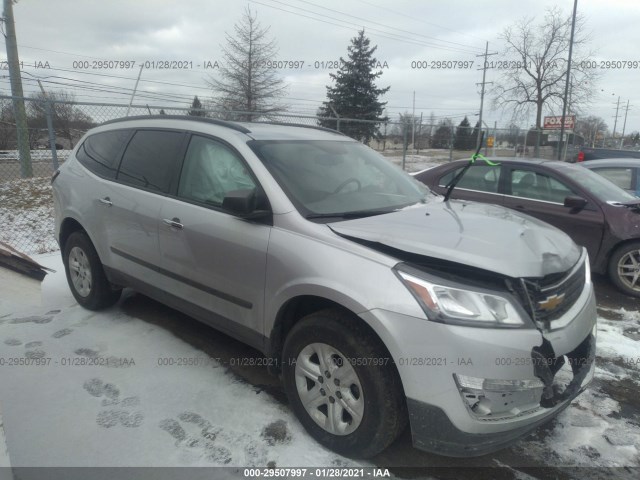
x: 173, y: 223
x: 106, y: 201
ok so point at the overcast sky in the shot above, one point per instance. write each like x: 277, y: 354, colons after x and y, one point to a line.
x: 62, y: 32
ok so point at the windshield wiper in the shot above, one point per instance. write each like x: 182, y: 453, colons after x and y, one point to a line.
x: 354, y: 214
x: 459, y: 176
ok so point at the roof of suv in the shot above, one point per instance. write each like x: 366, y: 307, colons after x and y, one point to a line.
x: 257, y: 131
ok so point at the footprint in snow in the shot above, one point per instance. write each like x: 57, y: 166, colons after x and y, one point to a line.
x: 38, y: 319
x: 122, y: 413
x: 197, y: 439
x: 62, y: 333
x: 32, y: 347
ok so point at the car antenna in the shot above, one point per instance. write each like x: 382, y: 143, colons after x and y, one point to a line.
x: 474, y: 157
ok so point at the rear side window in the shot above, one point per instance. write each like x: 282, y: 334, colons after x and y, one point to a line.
x: 619, y: 175
x: 483, y: 178
x: 100, y: 152
x: 150, y: 159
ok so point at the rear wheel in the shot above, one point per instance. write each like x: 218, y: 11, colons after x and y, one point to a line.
x: 624, y: 268
x: 85, y: 274
x: 342, y: 384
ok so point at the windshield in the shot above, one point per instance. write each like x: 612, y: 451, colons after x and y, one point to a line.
x: 336, y: 178
x: 598, y: 186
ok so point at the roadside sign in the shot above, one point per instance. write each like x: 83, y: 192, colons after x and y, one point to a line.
x: 555, y: 122
x: 489, y: 141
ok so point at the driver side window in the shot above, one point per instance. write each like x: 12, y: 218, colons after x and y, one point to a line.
x: 210, y: 171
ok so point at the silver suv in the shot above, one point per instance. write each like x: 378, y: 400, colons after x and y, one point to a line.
x: 377, y: 302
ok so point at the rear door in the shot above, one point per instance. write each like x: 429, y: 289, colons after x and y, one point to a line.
x: 541, y: 194
x: 217, y: 261
x: 148, y: 169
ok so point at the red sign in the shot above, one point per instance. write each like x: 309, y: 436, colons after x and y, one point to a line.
x: 555, y: 123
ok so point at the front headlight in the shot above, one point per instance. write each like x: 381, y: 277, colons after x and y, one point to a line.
x: 448, y: 304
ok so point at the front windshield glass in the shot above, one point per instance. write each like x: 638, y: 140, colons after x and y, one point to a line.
x: 598, y: 186
x: 337, y: 178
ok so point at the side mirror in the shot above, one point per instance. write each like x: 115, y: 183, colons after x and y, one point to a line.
x: 244, y: 204
x: 575, y: 203
x: 240, y: 202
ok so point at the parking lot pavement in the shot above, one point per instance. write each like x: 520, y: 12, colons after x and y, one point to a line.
x: 143, y: 385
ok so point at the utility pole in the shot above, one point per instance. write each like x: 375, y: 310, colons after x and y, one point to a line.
x: 22, y: 131
x: 566, y: 84
x: 624, y: 125
x: 615, y: 122
x: 484, y: 82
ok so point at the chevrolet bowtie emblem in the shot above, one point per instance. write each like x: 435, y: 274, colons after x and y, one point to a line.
x: 551, y: 302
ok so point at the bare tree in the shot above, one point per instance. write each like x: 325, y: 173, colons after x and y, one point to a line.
x: 248, y: 83
x: 7, y: 125
x: 537, y: 59
x: 591, y: 128
x: 69, y: 121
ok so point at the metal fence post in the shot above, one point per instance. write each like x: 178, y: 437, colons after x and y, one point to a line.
x: 451, y: 143
x: 52, y: 135
x: 404, y: 144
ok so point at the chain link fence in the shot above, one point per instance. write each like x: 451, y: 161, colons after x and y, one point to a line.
x: 26, y: 205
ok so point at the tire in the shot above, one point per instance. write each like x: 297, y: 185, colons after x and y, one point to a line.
x: 624, y: 268
x: 85, y: 274
x: 370, y: 412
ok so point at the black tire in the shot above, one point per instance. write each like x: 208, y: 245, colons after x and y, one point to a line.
x: 384, y: 414
x: 624, y: 264
x: 88, y: 283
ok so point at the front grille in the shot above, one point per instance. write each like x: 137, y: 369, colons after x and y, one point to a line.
x: 552, y: 296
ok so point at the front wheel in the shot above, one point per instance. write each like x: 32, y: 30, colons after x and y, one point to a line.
x: 343, y: 385
x: 624, y: 268
x: 85, y: 274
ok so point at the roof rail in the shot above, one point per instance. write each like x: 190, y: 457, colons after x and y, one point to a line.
x: 213, y: 121
x: 315, y: 127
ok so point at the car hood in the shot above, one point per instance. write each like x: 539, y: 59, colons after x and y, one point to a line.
x: 484, y: 236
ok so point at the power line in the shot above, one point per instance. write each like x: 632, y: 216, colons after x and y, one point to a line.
x: 381, y: 34
x: 383, y: 25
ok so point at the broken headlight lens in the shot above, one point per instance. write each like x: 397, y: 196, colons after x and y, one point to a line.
x: 443, y: 303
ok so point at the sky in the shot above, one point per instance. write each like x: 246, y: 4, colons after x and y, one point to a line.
x: 69, y: 35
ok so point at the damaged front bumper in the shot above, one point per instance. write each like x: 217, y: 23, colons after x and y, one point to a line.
x: 479, y: 390
x: 433, y: 431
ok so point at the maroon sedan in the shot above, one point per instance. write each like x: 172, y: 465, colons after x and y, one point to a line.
x: 593, y: 211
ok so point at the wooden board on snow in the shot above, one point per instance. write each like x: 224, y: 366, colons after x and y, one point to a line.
x: 19, y: 262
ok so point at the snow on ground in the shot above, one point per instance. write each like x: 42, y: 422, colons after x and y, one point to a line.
x: 93, y: 394
x: 26, y: 214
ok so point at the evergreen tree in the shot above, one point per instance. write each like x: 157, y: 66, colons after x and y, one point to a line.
x: 475, y: 133
x: 196, y: 108
x: 247, y: 82
x: 464, y: 140
x: 354, y: 93
x: 442, y: 136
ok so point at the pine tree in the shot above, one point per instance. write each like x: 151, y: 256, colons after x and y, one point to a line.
x: 196, y: 108
x: 474, y: 135
x: 463, y: 139
x: 354, y: 93
x: 442, y: 136
x: 247, y: 82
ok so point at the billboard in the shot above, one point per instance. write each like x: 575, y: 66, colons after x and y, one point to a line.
x: 555, y: 123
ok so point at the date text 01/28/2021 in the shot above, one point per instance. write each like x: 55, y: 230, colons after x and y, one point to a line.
x: 328, y: 472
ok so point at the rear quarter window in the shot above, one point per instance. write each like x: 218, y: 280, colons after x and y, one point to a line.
x: 100, y: 152
x: 150, y: 159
